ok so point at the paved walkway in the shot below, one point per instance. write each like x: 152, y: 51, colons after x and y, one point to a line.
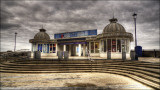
x: 64, y: 80
x: 150, y: 59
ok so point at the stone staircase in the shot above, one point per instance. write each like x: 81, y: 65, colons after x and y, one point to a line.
x: 144, y: 72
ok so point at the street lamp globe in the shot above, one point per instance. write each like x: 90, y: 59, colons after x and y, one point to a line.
x: 134, y: 15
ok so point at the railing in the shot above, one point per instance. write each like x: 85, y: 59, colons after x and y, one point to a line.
x: 114, y: 34
x: 150, y: 53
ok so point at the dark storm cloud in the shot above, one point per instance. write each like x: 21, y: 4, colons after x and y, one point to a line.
x: 8, y: 26
x: 5, y: 23
x: 26, y: 17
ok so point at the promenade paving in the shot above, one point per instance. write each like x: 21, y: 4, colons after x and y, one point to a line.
x: 57, y: 80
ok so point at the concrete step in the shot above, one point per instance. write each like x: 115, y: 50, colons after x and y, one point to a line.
x: 135, y: 67
x: 156, y: 75
x: 143, y: 72
x: 148, y: 77
x: 77, y: 61
x: 68, y: 68
x: 133, y: 64
x: 80, y: 62
x: 44, y: 64
x: 63, y: 71
x: 137, y: 78
x: 74, y: 66
x: 128, y: 64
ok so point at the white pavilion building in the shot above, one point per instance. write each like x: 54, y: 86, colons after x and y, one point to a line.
x: 114, y: 39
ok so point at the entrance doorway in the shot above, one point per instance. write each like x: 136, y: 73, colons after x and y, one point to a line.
x: 74, y: 50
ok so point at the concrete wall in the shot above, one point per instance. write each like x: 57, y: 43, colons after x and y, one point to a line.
x: 115, y: 55
x: 95, y: 54
x: 46, y: 54
x: 150, y: 53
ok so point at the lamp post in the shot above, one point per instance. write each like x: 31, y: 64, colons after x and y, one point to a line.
x: 15, y: 42
x: 135, y: 16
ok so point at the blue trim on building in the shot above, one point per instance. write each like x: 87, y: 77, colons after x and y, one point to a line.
x: 75, y: 34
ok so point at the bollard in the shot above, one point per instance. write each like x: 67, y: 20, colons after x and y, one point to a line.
x: 60, y: 55
x: 132, y: 55
x: 123, y: 55
x: 136, y: 57
x: 109, y: 55
x: 66, y: 55
x: 136, y: 53
x: 28, y: 55
x: 34, y: 55
x: 37, y: 55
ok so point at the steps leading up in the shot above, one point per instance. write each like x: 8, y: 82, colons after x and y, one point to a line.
x: 144, y: 72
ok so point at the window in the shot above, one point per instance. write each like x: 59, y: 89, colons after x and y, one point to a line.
x: 67, y: 48
x: 45, y: 48
x: 96, y: 47
x: 77, y: 49
x: 123, y: 45
x: 92, y: 47
x: 33, y: 47
x: 104, y: 45
x: 123, y: 48
x: 113, y: 45
x: 52, y: 48
x: 40, y: 47
x: 109, y: 45
x: 127, y: 45
x: 118, y: 45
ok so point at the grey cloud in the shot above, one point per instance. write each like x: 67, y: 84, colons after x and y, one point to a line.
x: 26, y: 17
x: 8, y: 26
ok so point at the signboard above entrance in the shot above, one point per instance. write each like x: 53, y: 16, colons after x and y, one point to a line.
x: 76, y: 34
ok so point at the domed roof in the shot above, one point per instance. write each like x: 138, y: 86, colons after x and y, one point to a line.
x: 114, y: 26
x: 42, y: 35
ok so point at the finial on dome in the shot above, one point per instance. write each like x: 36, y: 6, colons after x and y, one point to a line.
x: 42, y: 29
x: 113, y: 20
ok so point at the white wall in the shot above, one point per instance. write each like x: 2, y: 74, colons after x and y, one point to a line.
x: 46, y: 54
x: 115, y: 55
x: 94, y: 54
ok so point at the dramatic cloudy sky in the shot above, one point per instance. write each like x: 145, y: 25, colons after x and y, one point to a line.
x: 27, y: 16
